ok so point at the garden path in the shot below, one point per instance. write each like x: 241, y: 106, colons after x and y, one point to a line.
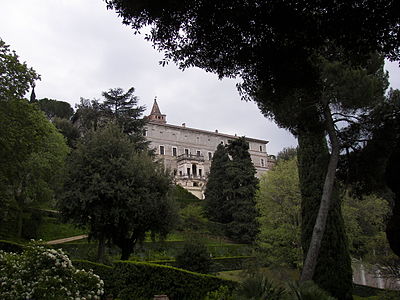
x: 69, y: 239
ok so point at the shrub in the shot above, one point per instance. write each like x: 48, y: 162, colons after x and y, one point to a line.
x: 308, y: 291
x: 138, y: 280
x: 261, y: 288
x: 40, y: 273
x: 223, y: 293
x: 194, y: 257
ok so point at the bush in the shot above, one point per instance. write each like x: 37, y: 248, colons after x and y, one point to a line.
x: 308, y: 291
x: 40, y: 273
x: 8, y: 246
x: 138, y: 280
x: 261, y: 288
x: 194, y: 257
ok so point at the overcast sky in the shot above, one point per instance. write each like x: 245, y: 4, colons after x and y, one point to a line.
x: 80, y: 49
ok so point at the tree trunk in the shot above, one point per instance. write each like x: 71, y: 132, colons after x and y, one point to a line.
x: 326, y: 201
x: 101, y: 249
x: 127, y: 247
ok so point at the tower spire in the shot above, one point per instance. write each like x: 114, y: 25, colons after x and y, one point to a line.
x: 156, y: 115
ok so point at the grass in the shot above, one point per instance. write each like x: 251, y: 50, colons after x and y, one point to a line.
x: 52, y: 229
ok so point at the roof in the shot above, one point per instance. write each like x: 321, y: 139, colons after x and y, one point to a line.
x: 155, y: 110
x: 208, y: 132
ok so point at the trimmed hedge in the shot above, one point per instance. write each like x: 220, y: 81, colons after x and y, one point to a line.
x: 9, y: 246
x: 219, y: 264
x: 139, y: 280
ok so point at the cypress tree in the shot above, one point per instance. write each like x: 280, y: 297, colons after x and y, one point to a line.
x: 231, y: 189
x: 240, y: 193
x: 214, y: 195
x: 333, y: 268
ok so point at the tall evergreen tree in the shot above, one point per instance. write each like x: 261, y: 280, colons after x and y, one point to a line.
x: 230, y: 192
x: 215, y: 202
x: 123, y: 107
x: 240, y: 193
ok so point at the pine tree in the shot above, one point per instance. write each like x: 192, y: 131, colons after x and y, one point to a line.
x: 122, y: 107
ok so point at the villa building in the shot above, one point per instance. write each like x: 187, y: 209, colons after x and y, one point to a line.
x: 188, y: 152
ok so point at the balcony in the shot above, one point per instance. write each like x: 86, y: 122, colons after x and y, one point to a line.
x: 192, y: 157
x: 191, y: 177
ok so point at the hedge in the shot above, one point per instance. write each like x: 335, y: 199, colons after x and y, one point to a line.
x: 139, y: 280
x: 219, y: 264
x: 9, y: 246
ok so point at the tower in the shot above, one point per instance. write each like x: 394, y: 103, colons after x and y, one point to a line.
x: 156, y: 115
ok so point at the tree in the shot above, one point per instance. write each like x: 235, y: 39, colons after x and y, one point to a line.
x: 123, y: 108
x: 118, y: 192
x: 287, y: 154
x: 215, y: 201
x: 231, y: 189
x: 194, y: 256
x: 54, y: 108
x: 32, y: 156
x: 240, y: 191
x: 278, y: 201
x: 279, y: 65
x: 88, y: 115
x: 365, y: 221
x: 15, y: 77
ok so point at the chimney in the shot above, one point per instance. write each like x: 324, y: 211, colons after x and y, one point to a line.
x: 183, y: 124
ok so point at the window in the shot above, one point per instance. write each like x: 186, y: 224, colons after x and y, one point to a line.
x: 262, y: 163
x: 200, y: 172
x: 198, y: 153
x: 261, y: 148
x: 162, y: 151
x: 209, y: 156
x: 144, y: 132
x: 187, y: 152
x: 222, y: 142
x: 174, y: 152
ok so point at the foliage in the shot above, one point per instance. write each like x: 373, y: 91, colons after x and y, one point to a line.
x: 15, y: 77
x: 234, y: 204
x: 55, y: 108
x: 313, y: 157
x: 192, y: 218
x: 278, y: 201
x: 194, y: 256
x: 365, y: 221
x: 259, y: 287
x: 118, y: 107
x: 287, y: 154
x: 41, y: 273
x: 120, y: 194
x: 68, y: 130
x: 52, y: 229
x: 183, y: 197
x: 32, y: 155
x: 133, y: 280
x: 281, y: 68
x: 308, y: 291
x: 216, y: 205
x: 223, y: 293
x: 123, y: 108
x: 88, y: 115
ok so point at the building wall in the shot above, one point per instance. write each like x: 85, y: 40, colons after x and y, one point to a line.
x: 199, y: 144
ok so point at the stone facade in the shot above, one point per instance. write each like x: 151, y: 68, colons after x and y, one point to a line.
x: 188, y: 152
